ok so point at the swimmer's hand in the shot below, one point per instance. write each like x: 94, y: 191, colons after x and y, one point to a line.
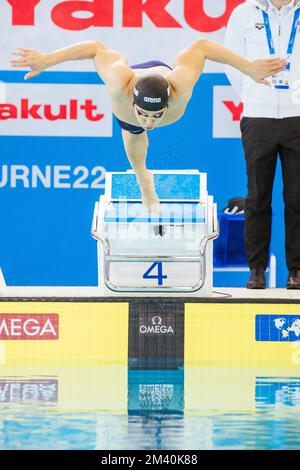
x: 152, y: 204
x: 260, y: 69
x: 28, y: 58
x: 149, y: 196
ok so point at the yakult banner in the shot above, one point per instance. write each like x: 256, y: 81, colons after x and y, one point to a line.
x: 58, y: 136
x: 140, y: 29
x: 77, y: 110
x: 227, y: 113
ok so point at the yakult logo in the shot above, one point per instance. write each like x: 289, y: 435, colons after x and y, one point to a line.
x: 29, y: 326
x: 227, y: 113
x: 56, y: 110
x: 156, y: 327
x: 100, y: 13
x: 71, y: 110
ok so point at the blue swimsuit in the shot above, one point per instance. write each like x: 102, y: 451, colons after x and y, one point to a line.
x: 145, y: 65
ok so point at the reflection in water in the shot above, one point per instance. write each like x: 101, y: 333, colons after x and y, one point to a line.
x: 156, y: 390
x: 154, y: 430
x: 112, y: 408
x: 279, y: 391
x: 14, y: 390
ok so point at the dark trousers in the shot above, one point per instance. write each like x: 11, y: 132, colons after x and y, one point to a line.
x: 263, y: 140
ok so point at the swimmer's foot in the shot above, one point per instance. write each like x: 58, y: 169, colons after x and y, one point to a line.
x: 149, y: 196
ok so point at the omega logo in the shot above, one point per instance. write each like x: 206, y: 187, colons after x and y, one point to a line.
x: 156, y: 327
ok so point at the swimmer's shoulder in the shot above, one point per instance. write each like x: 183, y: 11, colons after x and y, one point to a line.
x: 178, y: 92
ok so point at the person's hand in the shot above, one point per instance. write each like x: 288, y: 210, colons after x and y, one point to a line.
x: 260, y: 69
x: 28, y: 58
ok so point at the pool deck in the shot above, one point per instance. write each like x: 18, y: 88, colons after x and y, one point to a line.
x: 80, y: 293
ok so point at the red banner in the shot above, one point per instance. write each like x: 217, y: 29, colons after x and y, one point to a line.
x: 29, y: 326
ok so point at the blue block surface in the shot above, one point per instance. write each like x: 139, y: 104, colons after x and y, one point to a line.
x: 183, y: 187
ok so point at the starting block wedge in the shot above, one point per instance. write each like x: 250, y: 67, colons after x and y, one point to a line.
x: 146, y: 255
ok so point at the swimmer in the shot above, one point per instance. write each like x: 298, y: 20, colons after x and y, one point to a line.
x: 147, y: 95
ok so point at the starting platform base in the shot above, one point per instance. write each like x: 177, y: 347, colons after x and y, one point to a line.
x: 60, y: 326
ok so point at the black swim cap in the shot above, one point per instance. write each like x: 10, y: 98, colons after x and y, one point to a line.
x: 151, y: 92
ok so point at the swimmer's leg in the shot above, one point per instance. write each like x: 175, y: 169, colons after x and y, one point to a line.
x: 136, y: 146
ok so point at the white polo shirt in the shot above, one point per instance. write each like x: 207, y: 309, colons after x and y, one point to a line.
x: 246, y: 35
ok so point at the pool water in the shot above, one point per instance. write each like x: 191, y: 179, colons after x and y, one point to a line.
x: 193, y: 408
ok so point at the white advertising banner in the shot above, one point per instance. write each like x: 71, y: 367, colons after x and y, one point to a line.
x: 227, y: 113
x: 140, y: 29
x: 56, y: 110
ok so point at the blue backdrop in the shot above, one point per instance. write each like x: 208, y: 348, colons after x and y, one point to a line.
x: 45, y: 232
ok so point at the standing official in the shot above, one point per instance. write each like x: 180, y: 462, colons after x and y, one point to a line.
x: 270, y: 127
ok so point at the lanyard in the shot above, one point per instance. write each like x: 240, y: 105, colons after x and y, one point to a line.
x: 292, y: 37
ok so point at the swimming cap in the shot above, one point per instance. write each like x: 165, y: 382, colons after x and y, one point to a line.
x: 151, y: 92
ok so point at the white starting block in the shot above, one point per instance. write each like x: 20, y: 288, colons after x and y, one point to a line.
x: 140, y: 254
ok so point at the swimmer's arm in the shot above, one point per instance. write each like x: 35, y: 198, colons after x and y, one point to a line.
x: 190, y: 62
x: 79, y: 51
x: 104, y: 58
x: 113, y: 68
x: 258, y: 70
x: 38, y: 62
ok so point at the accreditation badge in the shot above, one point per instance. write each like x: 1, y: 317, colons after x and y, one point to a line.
x: 281, y: 81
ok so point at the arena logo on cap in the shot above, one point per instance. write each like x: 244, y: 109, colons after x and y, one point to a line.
x: 152, y: 100
x: 29, y: 326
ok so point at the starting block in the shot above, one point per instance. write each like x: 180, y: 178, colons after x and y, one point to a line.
x: 145, y: 255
